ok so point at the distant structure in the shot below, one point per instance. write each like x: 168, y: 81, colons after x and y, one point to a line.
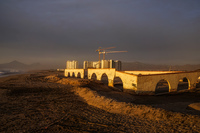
x: 103, y: 64
x: 72, y: 64
x: 143, y: 82
x: 90, y: 64
x: 103, y: 51
x: 111, y: 64
x: 118, y: 65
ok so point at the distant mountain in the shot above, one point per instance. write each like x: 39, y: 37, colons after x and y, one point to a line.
x: 125, y: 66
x: 19, y: 66
x: 186, y: 67
x: 152, y: 67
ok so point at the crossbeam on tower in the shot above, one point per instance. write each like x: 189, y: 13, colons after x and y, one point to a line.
x: 101, y: 50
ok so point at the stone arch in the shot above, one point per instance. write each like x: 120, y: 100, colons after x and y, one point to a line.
x: 94, y: 76
x: 118, y: 83
x: 79, y: 75
x: 162, y: 86
x: 198, y: 82
x: 73, y: 74
x: 104, y: 78
x: 183, y: 84
x: 68, y: 74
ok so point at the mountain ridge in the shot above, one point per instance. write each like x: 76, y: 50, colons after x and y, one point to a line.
x: 19, y: 65
x: 138, y: 66
x: 153, y: 67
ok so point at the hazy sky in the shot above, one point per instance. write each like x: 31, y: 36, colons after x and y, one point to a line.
x: 152, y: 31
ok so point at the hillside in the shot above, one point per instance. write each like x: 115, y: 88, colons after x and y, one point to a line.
x: 47, y: 102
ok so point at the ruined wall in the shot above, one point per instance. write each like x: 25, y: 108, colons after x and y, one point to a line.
x: 129, y: 81
x: 99, y: 72
x: 69, y: 72
x: 140, y: 83
x: 147, y: 83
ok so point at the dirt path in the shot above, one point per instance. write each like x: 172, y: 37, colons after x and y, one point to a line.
x: 37, y: 103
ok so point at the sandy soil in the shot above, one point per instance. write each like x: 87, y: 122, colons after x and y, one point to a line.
x: 46, y: 101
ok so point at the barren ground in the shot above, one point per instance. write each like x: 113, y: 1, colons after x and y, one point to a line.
x: 45, y: 101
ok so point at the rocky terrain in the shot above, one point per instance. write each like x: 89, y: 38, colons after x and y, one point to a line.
x: 46, y: 101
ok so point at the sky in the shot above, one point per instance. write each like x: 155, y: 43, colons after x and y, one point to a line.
x: 54, y: 31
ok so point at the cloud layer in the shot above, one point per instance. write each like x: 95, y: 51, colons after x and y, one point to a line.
x: 55, y: 31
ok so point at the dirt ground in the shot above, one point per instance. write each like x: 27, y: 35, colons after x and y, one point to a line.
x: 46, y: 101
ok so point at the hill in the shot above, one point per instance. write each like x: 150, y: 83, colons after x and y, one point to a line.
x: 19, y: 66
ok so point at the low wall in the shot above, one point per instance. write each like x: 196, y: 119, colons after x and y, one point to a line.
x: 99, y: 72
x: 147, y: 83
x: 75, y: 72
x: 139, y: 81
x: 129, y: 81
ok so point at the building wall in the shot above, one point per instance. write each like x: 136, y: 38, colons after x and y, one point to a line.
x: 105, y: 63
x: 72, y: 64
x: 118, y: 65
x: 90, y: 64
x: 85, y: 64
x: 112, y: 64
x: 95, y: 64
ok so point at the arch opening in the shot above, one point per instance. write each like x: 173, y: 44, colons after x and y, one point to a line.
x: 94, y: 76
x: 198, y: 82
x: 79, y: 75
x: 68, y: 74
x: 183, y: 84
x: 162, y: 86
x: 104, y: 79
x: 73, y: 74
x: 117, y: 82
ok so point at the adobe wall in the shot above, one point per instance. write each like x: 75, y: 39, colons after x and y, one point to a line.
x: 144, y: 83
x: 110, y: 72
x: 129, y: 81
x: 75, y: 71
x: 147, y: 83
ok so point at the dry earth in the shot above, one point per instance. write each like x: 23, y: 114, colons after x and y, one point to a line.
x: 46, y: 101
